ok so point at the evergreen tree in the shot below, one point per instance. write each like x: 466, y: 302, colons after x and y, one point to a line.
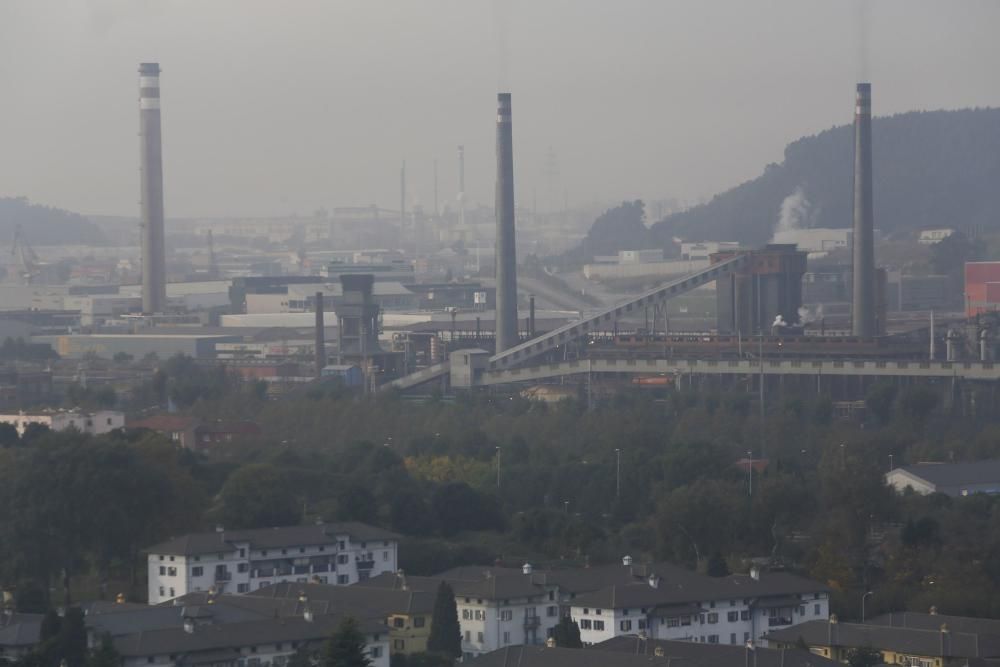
x: 105, y: 655
x: 446, y: 636
x: 302, y: 657
x: 567, y: 633
x: 346, y: 648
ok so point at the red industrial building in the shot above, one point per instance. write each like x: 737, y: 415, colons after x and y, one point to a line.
x: 982, y: 288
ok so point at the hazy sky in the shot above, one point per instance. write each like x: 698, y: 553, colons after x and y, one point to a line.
x: 274, y: 106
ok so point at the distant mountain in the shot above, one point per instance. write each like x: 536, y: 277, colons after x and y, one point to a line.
x: 932, y: 169
x: 44, y: 225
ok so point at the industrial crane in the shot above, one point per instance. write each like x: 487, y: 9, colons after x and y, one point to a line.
x: 29, y: 260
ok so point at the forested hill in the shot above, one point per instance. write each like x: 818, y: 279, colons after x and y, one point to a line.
x: 44, y: 225
x: 938, y: 168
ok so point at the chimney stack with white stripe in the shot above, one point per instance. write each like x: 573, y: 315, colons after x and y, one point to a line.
x: 863, y: 306
x: 506, y: 253
x: 154, y: 278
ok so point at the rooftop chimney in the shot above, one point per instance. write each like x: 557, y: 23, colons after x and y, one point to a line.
x: 526, y: 568
x: 506, y: 253
x: 626, y: 561
x: 154, y: 279
x: 863, y: 307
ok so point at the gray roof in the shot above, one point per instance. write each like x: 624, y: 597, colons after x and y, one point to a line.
x: 494, y: 587
x: 225, y: 637
x: 343, y: 599
x: 957, y: 474
x: 20, y: 630
x: 904, y: 640
x: 270, y: 538
x: 717, y: 655
x: 540, y: 656
x: 921, y: 621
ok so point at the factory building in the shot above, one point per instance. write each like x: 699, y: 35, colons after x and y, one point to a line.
x: 769, y: 286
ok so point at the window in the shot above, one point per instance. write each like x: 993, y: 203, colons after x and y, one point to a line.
x: 732, y: 637
x: 625, y: 626
x: 162, y: 593
x: 802, y: 611
x: 506, y: 615
x: 398, y: 622
x: 745, y: 615
x: 242, y: 588
x: 711, y: 605
x: 585, y: 611
x: 466, y: 615
x: 340, y: 545
x: 342, y: 579
x: 599, y: 625
x: 342, y: 559
x: 479, y: 637
x: 713, y: 617
x: 419, y: 621
x: 263, y: 552
x: 385, y: 555
x: 171, y: 571
x: 713, y: 639
x: 161, y: 557
x: 624, y: 612
x: 376, y: 652
x: 242, y: 567
x: 163, y: 570
x: 685, y: 620
x: 673, y: 622
x: 172, y: 593
x: 322, y: 547
x: 284, y: 552
x: 398, y: 645
x: 302, y: 550
x: 733, y: 616
x: 597, y: 611
x: 506, y: 637
x: 746, y: 637
x: 816, y: 610
x: 641, y: 623
x: 243, y: 553
x: 197, y: 571
x: 551, y: 611
x: 468, y: 636
x: 585, y: 624
x: 171, y: 559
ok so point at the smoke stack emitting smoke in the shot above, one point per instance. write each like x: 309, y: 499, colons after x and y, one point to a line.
x: 506, y: 253
x: 154, y: 280
x: 863, y: 307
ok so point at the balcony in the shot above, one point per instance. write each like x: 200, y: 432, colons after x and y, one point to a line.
x: 532, y: 622
x: 775, y: 621
x: 301, y: 569
x: 366, y: 564
x: 264, y: 572
x: 223, y: 575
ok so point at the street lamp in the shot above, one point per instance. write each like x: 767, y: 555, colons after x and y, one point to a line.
x: 749, y: 472
x: 863, y: 604
x: 618, y: 473
x: 498, y: 468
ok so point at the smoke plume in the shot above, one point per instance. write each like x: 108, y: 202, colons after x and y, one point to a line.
x: 794, y: 212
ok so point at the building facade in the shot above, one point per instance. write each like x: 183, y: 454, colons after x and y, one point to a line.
x: 93, y: 423
x: 246, y: 560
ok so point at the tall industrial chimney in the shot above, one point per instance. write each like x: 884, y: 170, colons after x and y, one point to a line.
x: 863, y: 310
x: 154, y: 278
x: 506, y: 253
x: 402, y: 199
x: 461, y: 186
x: 320, y: 336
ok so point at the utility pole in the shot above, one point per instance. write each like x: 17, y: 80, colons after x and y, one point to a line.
x: 498, y: 468
x: 618, y: 473
x: 749, y: 472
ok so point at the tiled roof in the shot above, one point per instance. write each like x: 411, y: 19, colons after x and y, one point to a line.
x: 270, y: 538
x: 344, y: 599
x: 903, y: 640
x: 957, y: 474
x: 716, y: 655
x: 920, y: 621
x: 20, y: 630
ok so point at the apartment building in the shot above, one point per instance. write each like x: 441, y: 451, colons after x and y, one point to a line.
x: 241, y: 561
x: 93, y: 423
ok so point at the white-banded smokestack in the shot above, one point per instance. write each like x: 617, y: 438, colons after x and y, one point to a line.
x: 506, y: 253
x: 863, y: 308
x: 154, y: 281
x: 154, y: 272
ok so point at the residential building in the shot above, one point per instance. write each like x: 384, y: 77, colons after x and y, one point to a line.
x: 640, y: 652
x: 240, y: 561
x: 932, y: 236
x: 952, y: 479
x: 495, y: 609
x: 94, y: 423
x: 678, y: 604
x: 19, y: 633
x: 938, y: 647
x: 406, y: 613
x: 501, y: 606
x: 193, y: 433
x: 934, y: 621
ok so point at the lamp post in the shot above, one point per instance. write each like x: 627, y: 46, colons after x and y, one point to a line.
x: 618, y: 473
x: 498, y: 468
x: 749, y: 472
x: 863, y: 604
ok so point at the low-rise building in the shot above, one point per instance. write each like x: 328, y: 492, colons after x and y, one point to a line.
x: 93, y: 423
x: 952, y: 479
x: 938, y: 647
x: 240, y: 561
x: 193, y: 433
x: 19, y: 634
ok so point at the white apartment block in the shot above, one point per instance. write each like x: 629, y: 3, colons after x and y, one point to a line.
x: 726, y: 610
x: 240, y: 561
x: 504, y: 610
x: 94, y: 423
